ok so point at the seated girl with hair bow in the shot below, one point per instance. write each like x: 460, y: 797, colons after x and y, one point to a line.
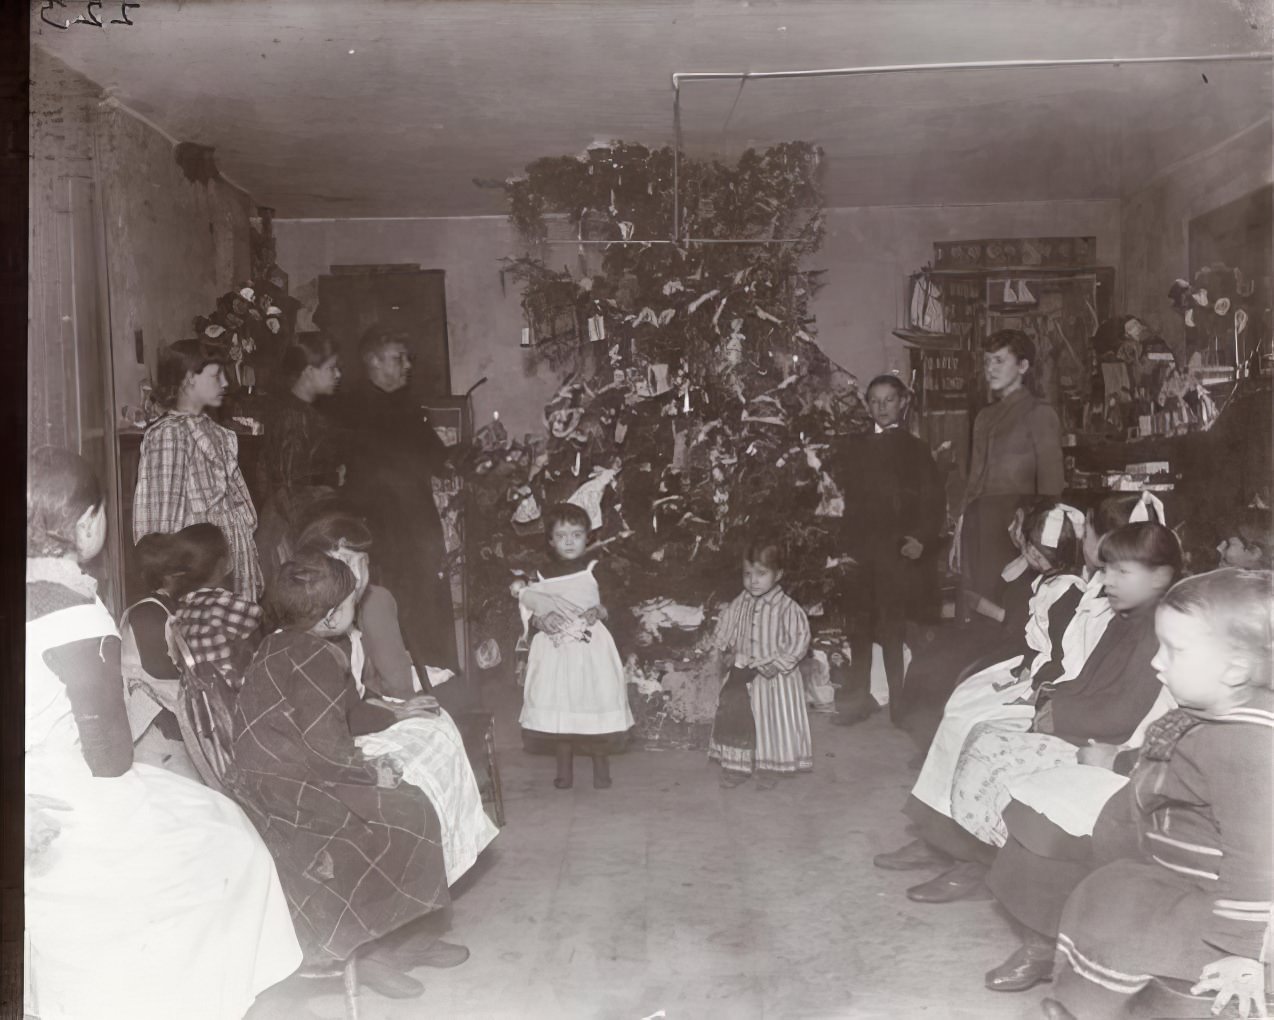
x: 1000, y: 699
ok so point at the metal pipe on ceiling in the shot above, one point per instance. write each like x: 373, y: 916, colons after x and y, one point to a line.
x: 680, y: 77
x: 967, y: 65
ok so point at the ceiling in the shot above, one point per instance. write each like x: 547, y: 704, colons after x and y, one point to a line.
x: 395, y: 107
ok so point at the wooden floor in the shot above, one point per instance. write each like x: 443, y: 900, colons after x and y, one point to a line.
x: 667, y: 893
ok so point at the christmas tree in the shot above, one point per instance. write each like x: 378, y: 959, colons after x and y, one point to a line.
x: 696, y: 408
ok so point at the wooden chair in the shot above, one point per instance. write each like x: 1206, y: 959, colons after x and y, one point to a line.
x: 207, y: 729
x: 477, y: 731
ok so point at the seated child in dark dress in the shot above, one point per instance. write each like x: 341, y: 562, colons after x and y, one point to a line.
x: 1177, y: 878
x: 221, y: 628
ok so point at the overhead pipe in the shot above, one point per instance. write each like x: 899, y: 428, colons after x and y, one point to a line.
x: 680, y: 77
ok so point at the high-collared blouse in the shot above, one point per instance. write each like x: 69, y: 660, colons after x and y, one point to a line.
x: 1017, y: 449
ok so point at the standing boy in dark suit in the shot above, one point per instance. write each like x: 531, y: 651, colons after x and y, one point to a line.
x: 895, y: 508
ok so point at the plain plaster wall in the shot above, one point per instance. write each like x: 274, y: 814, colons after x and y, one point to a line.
x: 867, y: 252
x: 172, y: 246
x: 1155, y: 219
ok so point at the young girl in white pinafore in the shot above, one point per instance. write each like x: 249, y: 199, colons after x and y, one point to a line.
x: 575, y: 695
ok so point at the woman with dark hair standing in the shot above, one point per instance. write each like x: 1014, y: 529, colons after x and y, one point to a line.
x: 303, y: 457
x: 1017, y: 451
x: 189, y: 470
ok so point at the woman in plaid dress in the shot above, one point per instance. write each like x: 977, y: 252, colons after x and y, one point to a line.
x: 359, y: 852
x: 189, y: 470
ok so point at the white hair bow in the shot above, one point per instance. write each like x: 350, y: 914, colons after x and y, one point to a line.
x: 1141, y: 512
x: 1052, y: 531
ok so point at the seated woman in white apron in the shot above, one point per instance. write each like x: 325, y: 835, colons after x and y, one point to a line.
x: 148, y: 896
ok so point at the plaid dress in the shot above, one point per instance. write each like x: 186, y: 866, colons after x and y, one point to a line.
x: 219, y: 627
x: 356, y: 861
x: 188, y: 474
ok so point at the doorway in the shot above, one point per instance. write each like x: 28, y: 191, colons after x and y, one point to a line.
x: 405, y: 299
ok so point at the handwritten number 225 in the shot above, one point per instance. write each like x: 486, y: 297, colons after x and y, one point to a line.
x: 92, y: 18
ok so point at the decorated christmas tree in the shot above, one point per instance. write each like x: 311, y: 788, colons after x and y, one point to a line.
x: 695, y: 409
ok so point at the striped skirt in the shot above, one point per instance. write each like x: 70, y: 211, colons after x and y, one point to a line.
x: 783, y: 742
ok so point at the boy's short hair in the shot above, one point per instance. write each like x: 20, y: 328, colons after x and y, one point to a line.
x: 377, y: 338
x: 1253, y: 527
x: 1238, y: 605
x: 767, y: 551
x: 565, y: 513
x: 898, y: 385
x: 306, y: 589
x: 1015, y: 340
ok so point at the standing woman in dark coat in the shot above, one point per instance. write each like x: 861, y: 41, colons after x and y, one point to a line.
x: 394, y: 456
x: 894, y: 511
x: 1017, y: 451
x: 303, y: 457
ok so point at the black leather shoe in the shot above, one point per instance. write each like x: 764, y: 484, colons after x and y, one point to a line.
x: 1051, y: 1009
x: 1027, y: 967
x: 387, y: 981
x: 915, y: 856
x: 854, y: 709
x: 963, y: 882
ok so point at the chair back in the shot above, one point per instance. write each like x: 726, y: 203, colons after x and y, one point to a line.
x: 205, y: 718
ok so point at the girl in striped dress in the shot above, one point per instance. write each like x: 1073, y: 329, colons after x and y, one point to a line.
x: 761, y: 720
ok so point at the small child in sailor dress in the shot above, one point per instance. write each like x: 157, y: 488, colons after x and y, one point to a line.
x: 575, y: 695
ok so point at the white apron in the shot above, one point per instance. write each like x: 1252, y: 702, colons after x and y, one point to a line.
x: 1072, y: 796
x: 145, y: 696
x: 574, y: 681
x: 156, y: 899
x: 433, y: 759
x: 992, y: 694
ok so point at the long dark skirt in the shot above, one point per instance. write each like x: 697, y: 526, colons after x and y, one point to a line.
x: 985, y: 546
x: 355, y: 862
x: 936, y: 670
x: 1041, y: 864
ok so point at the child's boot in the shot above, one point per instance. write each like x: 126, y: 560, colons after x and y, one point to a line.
x: 565, y: 765
x: 601, y: 772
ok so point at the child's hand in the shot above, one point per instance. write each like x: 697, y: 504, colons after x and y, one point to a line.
x: 415, y: 708
x: 593, y: 615
x: 1101, y: 755
x: 1237, y: 978
x: 389, y: 773
x: 768, y: 670
x: 555, y: 622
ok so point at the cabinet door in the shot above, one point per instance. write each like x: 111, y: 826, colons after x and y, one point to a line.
x: 410, y: 301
